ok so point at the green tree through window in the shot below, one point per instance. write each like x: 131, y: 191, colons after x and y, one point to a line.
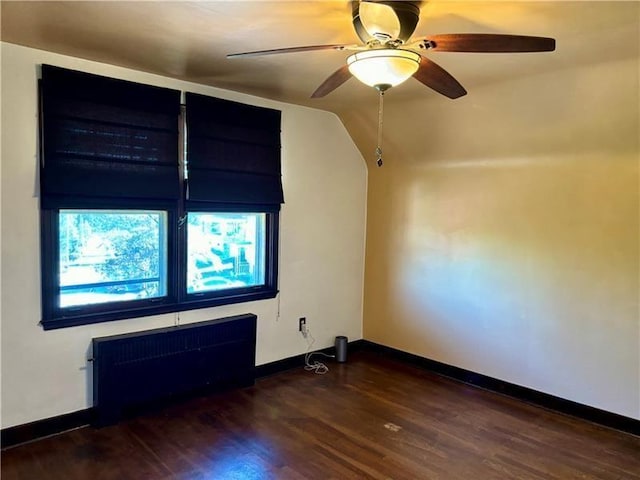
x: 111, y: 255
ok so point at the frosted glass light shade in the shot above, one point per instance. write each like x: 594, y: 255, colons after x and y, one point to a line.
x: 383, y: 67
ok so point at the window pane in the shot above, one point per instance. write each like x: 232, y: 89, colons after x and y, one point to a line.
x: 111, y: 256
x: 225, y: 250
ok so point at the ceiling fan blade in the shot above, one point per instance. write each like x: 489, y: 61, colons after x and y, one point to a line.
x: 378, y: 18
x: 336, y: 79
x: 437, y: 78
x: 290, y: 50
x: 489, y: 43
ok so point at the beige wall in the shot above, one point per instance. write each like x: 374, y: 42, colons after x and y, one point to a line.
x: 321, y: 246
x: 509, y: 246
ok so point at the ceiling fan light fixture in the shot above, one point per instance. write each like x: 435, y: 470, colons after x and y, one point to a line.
x: 383, y: 68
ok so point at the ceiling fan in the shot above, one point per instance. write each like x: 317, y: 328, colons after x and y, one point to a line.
x: 388, y: 56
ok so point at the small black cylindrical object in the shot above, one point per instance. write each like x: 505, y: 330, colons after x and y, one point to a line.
x: 341, y: 349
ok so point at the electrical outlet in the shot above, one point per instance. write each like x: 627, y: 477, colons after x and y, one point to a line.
x: 302, y: 325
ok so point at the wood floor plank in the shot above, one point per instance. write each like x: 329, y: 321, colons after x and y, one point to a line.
x: 371, y: 418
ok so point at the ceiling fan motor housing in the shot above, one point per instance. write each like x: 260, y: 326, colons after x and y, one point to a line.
x: 408, y: 14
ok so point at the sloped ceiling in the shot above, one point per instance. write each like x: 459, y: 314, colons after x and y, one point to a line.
x: 189, y: 40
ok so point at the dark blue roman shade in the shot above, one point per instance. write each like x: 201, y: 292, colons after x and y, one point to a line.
x: 107, y: 139
x: 233, y: 154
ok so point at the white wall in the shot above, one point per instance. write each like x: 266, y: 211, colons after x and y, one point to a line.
x: 322, y: 232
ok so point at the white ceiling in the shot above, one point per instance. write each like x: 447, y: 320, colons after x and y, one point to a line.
x: 189, y: 40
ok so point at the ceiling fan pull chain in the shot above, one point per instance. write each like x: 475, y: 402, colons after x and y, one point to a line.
x: 379, y: 147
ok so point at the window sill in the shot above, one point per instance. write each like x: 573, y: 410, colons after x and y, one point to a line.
x: 193, y: 302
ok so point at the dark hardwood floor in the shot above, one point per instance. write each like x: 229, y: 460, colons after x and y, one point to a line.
x: 370, y: 418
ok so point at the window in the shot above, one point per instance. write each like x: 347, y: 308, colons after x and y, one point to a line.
x: 225, y: 251
x: 111, y: 256
x: 127, y: 229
